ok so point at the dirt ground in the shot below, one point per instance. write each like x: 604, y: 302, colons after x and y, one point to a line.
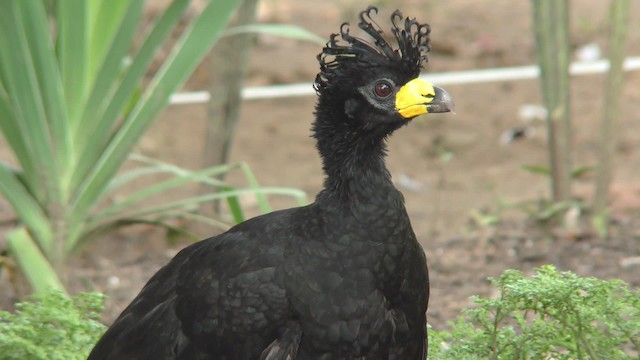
x: 454, y: 171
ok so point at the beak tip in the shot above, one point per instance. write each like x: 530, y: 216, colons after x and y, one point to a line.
x: 443, y: 101
x: 452, y: 107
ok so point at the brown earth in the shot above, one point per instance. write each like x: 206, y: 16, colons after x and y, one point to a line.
x: 454, y: 171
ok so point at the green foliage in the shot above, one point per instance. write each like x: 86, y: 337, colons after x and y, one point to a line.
x: 551, y: 315
x: 72, y: 108
x: 52, y: 326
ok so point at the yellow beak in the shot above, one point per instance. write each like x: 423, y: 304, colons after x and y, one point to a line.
x: 419, y: 97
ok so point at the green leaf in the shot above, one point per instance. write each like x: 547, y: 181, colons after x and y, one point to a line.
x: 181, y: 177
x: 234, y: 206
x: 26, y: 207
x: 33, y: 262
x: 28, y: 73
x: 72, y: 43
x: 191, y: 203
x: 105, y: 19
x: 11, y: 131
x: 582, y: 171
x: 253, y: 183
x: 281, y: 30
x: 536, y: 169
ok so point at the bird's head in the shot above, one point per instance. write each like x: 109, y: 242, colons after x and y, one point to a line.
x: 375, y: 82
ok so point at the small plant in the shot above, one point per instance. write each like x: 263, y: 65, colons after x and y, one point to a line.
x: 551, y: 315
x: 52, y: 326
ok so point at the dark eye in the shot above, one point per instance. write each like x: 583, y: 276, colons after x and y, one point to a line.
x: 382, y: 89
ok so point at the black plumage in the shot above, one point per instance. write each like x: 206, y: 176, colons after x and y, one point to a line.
x: 342, y: 278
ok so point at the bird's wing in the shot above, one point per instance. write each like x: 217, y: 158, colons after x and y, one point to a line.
x: 191, y: 305
x: 286, y: 346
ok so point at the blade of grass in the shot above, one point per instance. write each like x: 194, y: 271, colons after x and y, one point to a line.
x: 159, y: 221
x: 137, y: 173
x: 537, y: 169
x: 233, y: 202
x: 263, y: 203
x: 132, y: 175
x: 120, y: 223
x: 196, y: 217
x: 32, y: 261
x: 180, y: 171
x: 180, y: 179
x: 194, y: 201
x: 280, y: 30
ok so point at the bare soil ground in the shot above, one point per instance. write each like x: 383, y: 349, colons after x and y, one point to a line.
x: 444, y: 198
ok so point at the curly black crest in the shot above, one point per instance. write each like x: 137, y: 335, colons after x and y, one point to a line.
x: 412, y: 40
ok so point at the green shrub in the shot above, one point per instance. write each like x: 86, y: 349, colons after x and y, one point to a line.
x: 551, y: 315
x: 52, y: 326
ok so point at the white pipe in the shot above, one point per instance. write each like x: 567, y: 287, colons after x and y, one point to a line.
x: 448, y: 78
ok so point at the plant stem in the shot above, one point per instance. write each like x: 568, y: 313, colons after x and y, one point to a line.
x: 551, y: 22
x: 618, y: 20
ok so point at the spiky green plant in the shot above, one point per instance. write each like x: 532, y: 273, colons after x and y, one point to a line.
x: 72, y: 108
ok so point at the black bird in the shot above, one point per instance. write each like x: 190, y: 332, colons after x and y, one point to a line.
x: 342, y: 278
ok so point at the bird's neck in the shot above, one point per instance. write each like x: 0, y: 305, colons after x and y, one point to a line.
x: 353, y: 161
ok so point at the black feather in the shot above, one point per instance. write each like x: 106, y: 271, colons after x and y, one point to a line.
x: 412, y: 40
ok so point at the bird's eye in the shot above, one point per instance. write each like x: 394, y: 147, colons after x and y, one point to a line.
x: 382, y: 89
